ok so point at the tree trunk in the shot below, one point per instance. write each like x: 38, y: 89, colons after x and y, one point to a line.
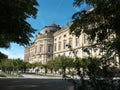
x: 64, y: 72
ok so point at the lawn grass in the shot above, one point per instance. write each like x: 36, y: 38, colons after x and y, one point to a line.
x: 3, y: 74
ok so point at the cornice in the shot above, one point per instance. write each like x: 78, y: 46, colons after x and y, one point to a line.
x: 61, y: 31
x: 41, y: 36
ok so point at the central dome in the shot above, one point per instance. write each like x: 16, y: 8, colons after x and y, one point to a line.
x: 50, y: 29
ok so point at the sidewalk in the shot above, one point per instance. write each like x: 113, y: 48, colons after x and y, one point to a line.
x: 39, y: 77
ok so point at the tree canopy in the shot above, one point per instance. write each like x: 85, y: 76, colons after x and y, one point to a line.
x: 101, y: 23
x: 13, y: 24
x: 2, y: 55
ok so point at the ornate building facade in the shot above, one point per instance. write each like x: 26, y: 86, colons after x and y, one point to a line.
x: 53, y: 41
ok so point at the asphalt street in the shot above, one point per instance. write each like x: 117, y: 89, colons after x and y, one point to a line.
x: 34, y: 83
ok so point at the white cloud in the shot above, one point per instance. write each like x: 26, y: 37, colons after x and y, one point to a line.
x: 14, y: 52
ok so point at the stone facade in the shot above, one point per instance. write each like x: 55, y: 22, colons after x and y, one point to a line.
x: 41, y: 50
x: 53, y: 41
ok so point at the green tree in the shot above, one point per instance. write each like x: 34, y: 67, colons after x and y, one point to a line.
x: 6, y: 65
x: 63, y: 63
x: 52, y: 65
x: 36, y: 66
x: 11, y: 66
x: 60, y: 62
x: 25, y: 66
x: 16, y: 64
x: 101, y: 24
x: 81, y: 63
x: 13, y: 24
x: 90, y: 67
x: 45, y: 66
x: 3, y: 56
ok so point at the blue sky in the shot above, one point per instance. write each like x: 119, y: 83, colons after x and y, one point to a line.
x: 49, y: 12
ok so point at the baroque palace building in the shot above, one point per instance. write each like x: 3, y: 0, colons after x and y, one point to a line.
x: 53, y: 41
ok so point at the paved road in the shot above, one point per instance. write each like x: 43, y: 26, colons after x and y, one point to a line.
x: 32, y: 83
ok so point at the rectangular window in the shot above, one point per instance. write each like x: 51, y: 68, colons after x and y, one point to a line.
x: 59, y: 37
x: 85, y: 39
x: 41, y: 41
x: 50, y: 40
x: 64, y: 44
x: 35, y: 49
x: 70, y: 41
x: 41, y: 48
x: 40, y: 56
x: 77, y: 41
x: 49, y: 48
x: 59, y: 46
x: 48, y: 56
x: 55, y: 39
x: 55, y: 46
